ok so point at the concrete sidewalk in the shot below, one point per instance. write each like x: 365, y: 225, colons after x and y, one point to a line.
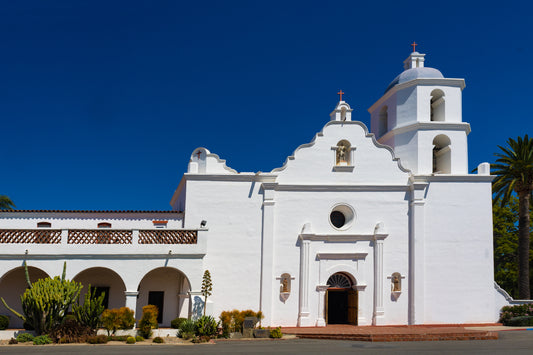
x: 400, y: 333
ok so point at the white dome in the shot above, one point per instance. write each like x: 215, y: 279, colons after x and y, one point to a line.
x: 415, y: 73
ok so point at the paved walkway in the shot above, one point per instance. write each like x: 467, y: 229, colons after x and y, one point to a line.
x: 398, y: 333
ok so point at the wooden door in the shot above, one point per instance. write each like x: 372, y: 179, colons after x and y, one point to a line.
x: 352, y: 307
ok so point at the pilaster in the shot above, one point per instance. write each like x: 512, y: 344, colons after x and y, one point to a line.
x: 321, y: 322
x: 416, y: 251
x: 303, y: 315
x: 267, y: 255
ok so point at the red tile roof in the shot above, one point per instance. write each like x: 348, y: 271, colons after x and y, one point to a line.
x: 86, y: 211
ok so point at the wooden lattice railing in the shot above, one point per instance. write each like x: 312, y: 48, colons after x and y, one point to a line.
x: 79, y: 236
x: 33, y: 236
x: 168, y: 237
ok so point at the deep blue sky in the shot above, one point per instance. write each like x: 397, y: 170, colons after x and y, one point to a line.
x: 103, y: 102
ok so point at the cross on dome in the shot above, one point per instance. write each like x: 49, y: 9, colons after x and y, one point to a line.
x: 414, y: 46
x: 340, y: 93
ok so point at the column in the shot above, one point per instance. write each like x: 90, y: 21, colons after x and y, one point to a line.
x: 303, y: 316
x: 416, y: 253
x: 131, y: 300
x: 378, y: 281
x: 267, y: 253
x: 321, y: 322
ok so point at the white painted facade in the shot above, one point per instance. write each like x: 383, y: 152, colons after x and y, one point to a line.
x: 413, y: 241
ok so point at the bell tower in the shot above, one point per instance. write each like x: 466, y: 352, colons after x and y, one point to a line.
x: 420, y: 116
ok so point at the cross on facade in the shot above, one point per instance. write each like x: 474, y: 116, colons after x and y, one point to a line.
x: 340, y: 93
x: 199, y: 153
x: 414, y: 46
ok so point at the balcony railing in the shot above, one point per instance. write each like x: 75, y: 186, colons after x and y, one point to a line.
x: 97, y: 236
x: 29, y: 236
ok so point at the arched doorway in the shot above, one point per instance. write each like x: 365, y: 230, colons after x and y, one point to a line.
x: 341, y: 300
x: 166, y: 288
x: 106, y: 281
x: 12, y: 286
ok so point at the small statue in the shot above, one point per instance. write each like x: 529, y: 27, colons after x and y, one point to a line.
x: 341, y: 153
x: 396, y: 283
x: 284, y: 285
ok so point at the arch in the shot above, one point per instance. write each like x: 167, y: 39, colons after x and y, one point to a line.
x: 12, y: 286
x: 383, y: 121
x: 343, y: 114
x: 442, y: 157
x: 167, y: 288
x: 437, y: 106
x: 105, y: 280
x: 104, y: 225
x: 44, y: 225
x: 341, y: 299
x: 343, y: 153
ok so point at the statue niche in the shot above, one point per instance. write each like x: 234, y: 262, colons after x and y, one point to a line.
x: 342, y: 153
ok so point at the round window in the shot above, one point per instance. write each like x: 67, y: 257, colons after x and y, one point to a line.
x: 341, y: 217
x: 337, y: 219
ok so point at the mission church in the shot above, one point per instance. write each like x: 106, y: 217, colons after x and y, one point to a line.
x: 357, y: 227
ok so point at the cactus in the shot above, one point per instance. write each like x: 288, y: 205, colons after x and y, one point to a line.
x: 89, y: 313
x: 46, y: 302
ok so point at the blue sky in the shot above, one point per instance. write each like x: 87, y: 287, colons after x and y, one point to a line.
x: 103, y: 102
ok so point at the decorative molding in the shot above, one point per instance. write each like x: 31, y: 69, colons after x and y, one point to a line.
x: 260, y: 177
x: 340, y: 256
x: 432, y: 125
x: 419, y: 81
x: 360, y: 287
x: 331, y: 187
x: 343, y: 168
x: 97, y: 256
x: 342, y: 237
x: 131, y: 293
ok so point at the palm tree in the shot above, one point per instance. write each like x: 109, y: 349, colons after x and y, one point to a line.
x: 514, y: 170
x: 6, y: 203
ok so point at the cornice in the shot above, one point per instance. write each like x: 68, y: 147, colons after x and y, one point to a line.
x: 422, y: 126
x: 420, y: 82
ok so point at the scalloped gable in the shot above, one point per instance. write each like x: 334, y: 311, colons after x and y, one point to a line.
x: 202, y: 161
x: 314, y: 162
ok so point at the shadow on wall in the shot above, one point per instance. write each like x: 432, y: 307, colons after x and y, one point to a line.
x: 197, y: 307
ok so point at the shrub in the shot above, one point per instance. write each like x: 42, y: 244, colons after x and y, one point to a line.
x: 13, y: 341
x: 139, y: 338
x: 46, y: 301
x: 509, y: 312
x: 97, y: 339
x: 89, y: 313
x: 206, y: 326
x: 118, y: 338
x: 201, y: 339
x: 148, y: 320
x: 232, y: 320
x: 158, y: 340
x: 520, y: 321
x: 276, y: 333
x: 4, y: 322
x: 70, y: 331
x: 187, y: 327
x: 42, y: 340
x: 130, y: 340
x: 24, y: 337
x: 177, y: 322
x: 121, y: 318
